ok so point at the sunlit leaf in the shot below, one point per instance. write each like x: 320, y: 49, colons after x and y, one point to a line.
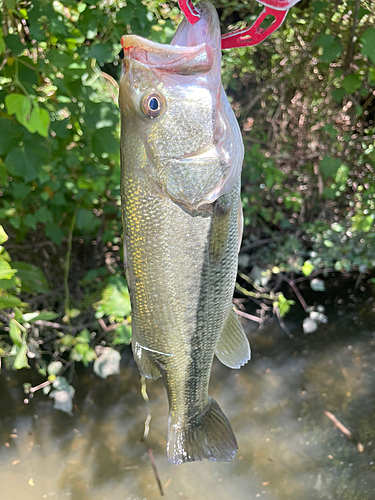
x: 30, y: 316
x: 318, y: 285
x: 15, y: 333
x: 3, y: 235
x: 108, y: 363
x: 54, y: 367
x: 19, y: 105
x: 307, y: 268
x: 39, y: 121
x: 309, y: 325
x: 115, y: 299
x: 21, y: 358
x: 123, y: 335
x: 6, y: 272
x: 62, y: 394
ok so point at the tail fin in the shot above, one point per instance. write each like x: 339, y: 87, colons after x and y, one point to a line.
x: 211, y: 438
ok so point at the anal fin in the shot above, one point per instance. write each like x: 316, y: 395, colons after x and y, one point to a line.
x: 233, y: 348
x: 146, y: 366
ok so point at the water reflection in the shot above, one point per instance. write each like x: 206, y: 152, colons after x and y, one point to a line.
x: 288, y: 448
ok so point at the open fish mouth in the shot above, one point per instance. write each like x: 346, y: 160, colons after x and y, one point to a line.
x: 190, y: 51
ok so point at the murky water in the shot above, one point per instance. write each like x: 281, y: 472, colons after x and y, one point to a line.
x: 288, y: 448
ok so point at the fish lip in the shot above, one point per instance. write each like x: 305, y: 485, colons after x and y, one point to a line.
x: 168, y: 58
x: 190, y: 51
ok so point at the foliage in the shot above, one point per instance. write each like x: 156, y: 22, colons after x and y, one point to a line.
x: 59, y: 178
x: 305, y: 100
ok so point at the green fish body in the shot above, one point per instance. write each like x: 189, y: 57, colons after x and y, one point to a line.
x: 181, y: 155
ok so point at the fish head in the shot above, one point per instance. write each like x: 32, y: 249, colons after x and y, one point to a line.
x: 177, y: 124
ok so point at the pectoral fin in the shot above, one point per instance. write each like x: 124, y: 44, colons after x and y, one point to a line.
x: 233, y: 348
x: 146, y: 366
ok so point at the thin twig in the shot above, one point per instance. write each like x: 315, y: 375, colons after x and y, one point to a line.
x: 260, y: 242
x: 312, y: 275
x: 40, y: 386
x: 248, y: 316
x: 344, y: 430
x: 153, y: 464
x: 282, y: 324
x: 296, y: 291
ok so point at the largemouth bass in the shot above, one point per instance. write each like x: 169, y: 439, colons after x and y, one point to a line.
x: 181, y: 155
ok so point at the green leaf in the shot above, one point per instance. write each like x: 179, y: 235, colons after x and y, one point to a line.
x: 328, y: 243
x: 6, y: 272
x: 32, y: 278
x: 39, y: 122
x: 30, y: 316
x: 2, y: 42
x: 338, y: 94
x: 30, y: 221
x: 338, y: 228
x: 21, y: 358
x: 307, y: 268
x: 73, y: 313
x: 54, y: 233
x: 15, y: 333
x: 68, y: 340
x: 104, y: 142
x: 283, y: 304
x: 86, y: 220
x: 54, y: 367
x: 14, y: 44
x: 10, y: 301
x: 331, y: 48
x: 318, y: 285
x: 319, y: 6
x: 101, y: 52
x: 368, y: 44
x: 115, y: 299
x: 351, y: 83
x: 84, y: 337
x: 62, y: 394
x: 43, y: 214
x: 123, y: 335
x: 19, y: 105
x: 45, y: 316
x: 329, y: 166
x: 23, y: 162
x: 108, y: 363
x: 3, y: 235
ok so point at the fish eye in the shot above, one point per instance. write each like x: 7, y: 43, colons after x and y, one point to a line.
x: 152, y: 105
